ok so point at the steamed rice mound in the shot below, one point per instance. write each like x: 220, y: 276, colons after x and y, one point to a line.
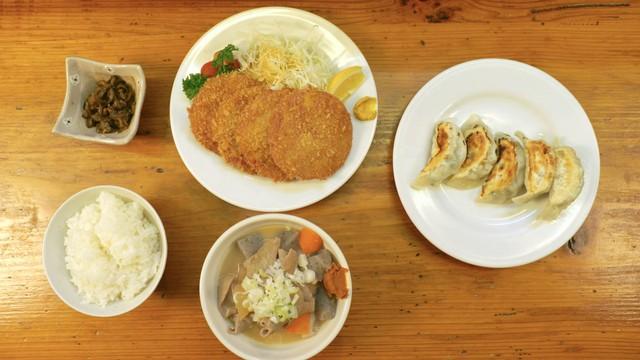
x: 112, y: 250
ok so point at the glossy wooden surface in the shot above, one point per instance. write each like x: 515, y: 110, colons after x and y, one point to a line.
x: 410, y: 300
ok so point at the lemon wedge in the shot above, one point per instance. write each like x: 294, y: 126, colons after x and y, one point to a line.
x: 346, y: 82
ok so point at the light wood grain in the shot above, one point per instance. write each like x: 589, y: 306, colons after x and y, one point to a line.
x: 409, y: 300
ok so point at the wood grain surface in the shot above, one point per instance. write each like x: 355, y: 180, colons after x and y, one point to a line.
x: 409, y: 299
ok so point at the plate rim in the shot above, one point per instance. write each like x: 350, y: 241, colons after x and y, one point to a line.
x: 528, y: 258
x: 296, y: 13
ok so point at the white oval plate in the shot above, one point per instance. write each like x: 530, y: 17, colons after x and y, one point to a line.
x: 254, y: 192
x: 509, y: 96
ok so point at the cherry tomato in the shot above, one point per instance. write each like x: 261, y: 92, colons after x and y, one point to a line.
x: 208, y: 70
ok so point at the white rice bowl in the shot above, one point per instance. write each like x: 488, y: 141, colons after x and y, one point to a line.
x: 112, y: 250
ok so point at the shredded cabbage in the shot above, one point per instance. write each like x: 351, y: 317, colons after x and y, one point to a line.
x: 287, y: 63
x: 273, y: 294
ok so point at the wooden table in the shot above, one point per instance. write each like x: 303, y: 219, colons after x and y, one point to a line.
x: 410, y: 300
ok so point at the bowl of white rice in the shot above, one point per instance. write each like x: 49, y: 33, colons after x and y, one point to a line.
x: 104, y: 251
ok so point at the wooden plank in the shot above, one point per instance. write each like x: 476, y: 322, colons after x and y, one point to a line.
x: 410, y: 300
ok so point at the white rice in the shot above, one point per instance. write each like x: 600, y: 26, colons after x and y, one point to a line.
x: 112, y: 250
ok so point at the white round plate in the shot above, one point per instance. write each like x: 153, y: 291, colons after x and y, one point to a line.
x: 509, y: 96
x: 254, y: 192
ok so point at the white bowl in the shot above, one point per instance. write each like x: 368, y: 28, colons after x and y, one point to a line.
x: 53, y: 252
x: 82, y: 76
x: 242, y: 345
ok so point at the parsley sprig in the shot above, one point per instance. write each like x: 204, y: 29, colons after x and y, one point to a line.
x: 222, y: 61
x: 223, y: 57
x: 192, y: 84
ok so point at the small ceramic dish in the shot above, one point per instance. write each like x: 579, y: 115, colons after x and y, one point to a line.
x: 241, y: 344
x: 82, y: 76
x: 53, y: 252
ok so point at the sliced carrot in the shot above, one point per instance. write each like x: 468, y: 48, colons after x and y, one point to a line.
x: 300, y: 325
x: 310, y: 242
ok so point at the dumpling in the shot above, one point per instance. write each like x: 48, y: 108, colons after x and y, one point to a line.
x: 481, y: 153
x: 569, y: 178
x: 540, y: 168
x: 506, y: 179
x: 448, y: 151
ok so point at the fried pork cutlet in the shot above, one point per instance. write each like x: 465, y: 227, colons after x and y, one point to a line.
x: 310, y: 134
x: 205, y: 105
x: 251, y: 134
x: 224, y: 123
x: 284, y: 135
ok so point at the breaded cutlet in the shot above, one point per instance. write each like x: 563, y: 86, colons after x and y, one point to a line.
x: 206, y: 104
x: 284, y: 135
x: 223, y: 125
x: 310, y: 134
x: 251, y: 134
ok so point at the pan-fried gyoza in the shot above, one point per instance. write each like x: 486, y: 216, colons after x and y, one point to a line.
x: 503, y: 167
